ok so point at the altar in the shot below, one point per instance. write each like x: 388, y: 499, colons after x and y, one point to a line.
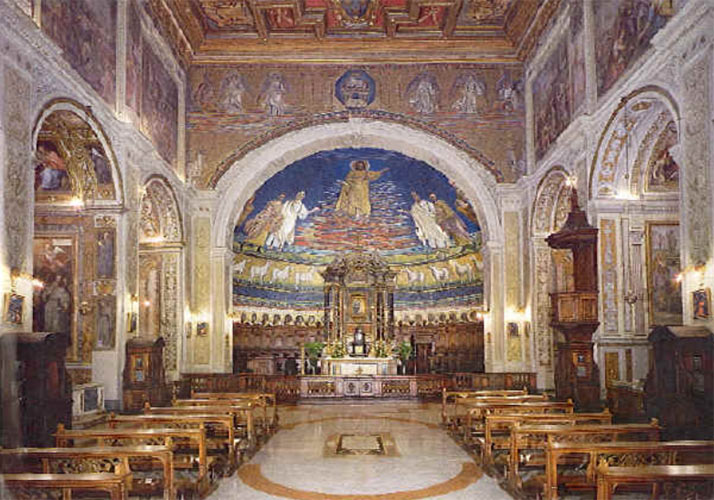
x: 359, y: 366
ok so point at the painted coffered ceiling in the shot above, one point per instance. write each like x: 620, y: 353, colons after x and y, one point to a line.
x: 391, y: 31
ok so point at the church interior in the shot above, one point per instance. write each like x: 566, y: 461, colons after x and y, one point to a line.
x: 357, y: 249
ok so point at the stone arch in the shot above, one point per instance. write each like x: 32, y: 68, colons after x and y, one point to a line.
x: 248, y: 172
x: 161, y: 238
x: 549, y: 211
x: 632, y: 122
x: 550, y: 192
x: 160, y: 216
x: 84, y: 113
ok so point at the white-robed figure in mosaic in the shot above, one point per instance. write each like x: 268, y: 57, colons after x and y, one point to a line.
x: 292, y: 211
x: 427, y: 230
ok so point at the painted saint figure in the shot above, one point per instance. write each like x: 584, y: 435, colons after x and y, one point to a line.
x: 231, y: 93
x: 470, y: 88
x: 427, y: 230
x: 265, y: 222
x: 291, y: 211
x: 271, y: 97
x: 449, y: 221
x: 354, y: 196
x: 57, y: 300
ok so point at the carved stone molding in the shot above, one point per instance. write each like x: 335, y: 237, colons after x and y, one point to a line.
x: 160, y: 218
x: 18, y: 183
x: 697, y: 142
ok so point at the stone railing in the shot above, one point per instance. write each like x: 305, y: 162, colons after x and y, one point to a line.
x: 288, y: 387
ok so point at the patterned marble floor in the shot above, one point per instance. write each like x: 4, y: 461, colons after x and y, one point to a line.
x: 388, y: 451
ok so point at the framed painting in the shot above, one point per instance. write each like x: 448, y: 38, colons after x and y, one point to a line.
x: 106, y: 322
x: 106, y: 244
x: 54, y: 257
x: 663, y: 267
x: 358, y: 305
x: 14, y: 308
x: 701, y: 303
x: 201, y: 328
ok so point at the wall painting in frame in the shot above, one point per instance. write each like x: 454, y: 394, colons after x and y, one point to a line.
x: 663, y: 267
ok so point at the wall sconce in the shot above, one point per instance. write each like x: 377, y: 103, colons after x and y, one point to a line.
x: 77, y: 203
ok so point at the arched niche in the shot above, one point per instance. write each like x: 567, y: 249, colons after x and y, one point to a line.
x: 553, y: 268
x: 634, y: 132
x: 75, y: 165
x: 78, y: 197
x: 161, y: 221
x: 161, y: 240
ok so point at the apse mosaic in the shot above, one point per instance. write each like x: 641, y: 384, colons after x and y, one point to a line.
x: 347, y: 200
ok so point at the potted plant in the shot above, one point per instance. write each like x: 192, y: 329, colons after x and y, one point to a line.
x: 404, y: 352
x: 313, y: 351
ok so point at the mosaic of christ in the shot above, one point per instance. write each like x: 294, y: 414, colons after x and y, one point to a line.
x: 355, y: 200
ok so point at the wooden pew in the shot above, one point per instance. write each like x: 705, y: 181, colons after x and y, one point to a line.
x: 268, y: 398
x: 257, y: 403
x: 477, y: 411
x: 113, y: 484
x: 220, y: 430
x: 675, y: 480
x: 533, y: 440
x: 96, y: 459
x: 497, y: 427
x: 619, y: 452
x: 242, y: 416
x: 175, y: 439
x: 447, y: 396
x: 461, y: 405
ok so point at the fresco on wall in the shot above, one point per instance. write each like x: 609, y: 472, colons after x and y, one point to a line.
x: 551, y: 99
x: 159, y: 105
x: 478, y: 108
x: 623, y: 31
x: 70, y: 161
x: 86, y: 32
x: 663, y: 262
x: 133, y: 58
x: 662, y: 171
x: 357, y: 200
x: 576, y: 56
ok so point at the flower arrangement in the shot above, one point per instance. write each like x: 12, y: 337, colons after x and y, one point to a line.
x: 381, y: 349
x: 336, y: 349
